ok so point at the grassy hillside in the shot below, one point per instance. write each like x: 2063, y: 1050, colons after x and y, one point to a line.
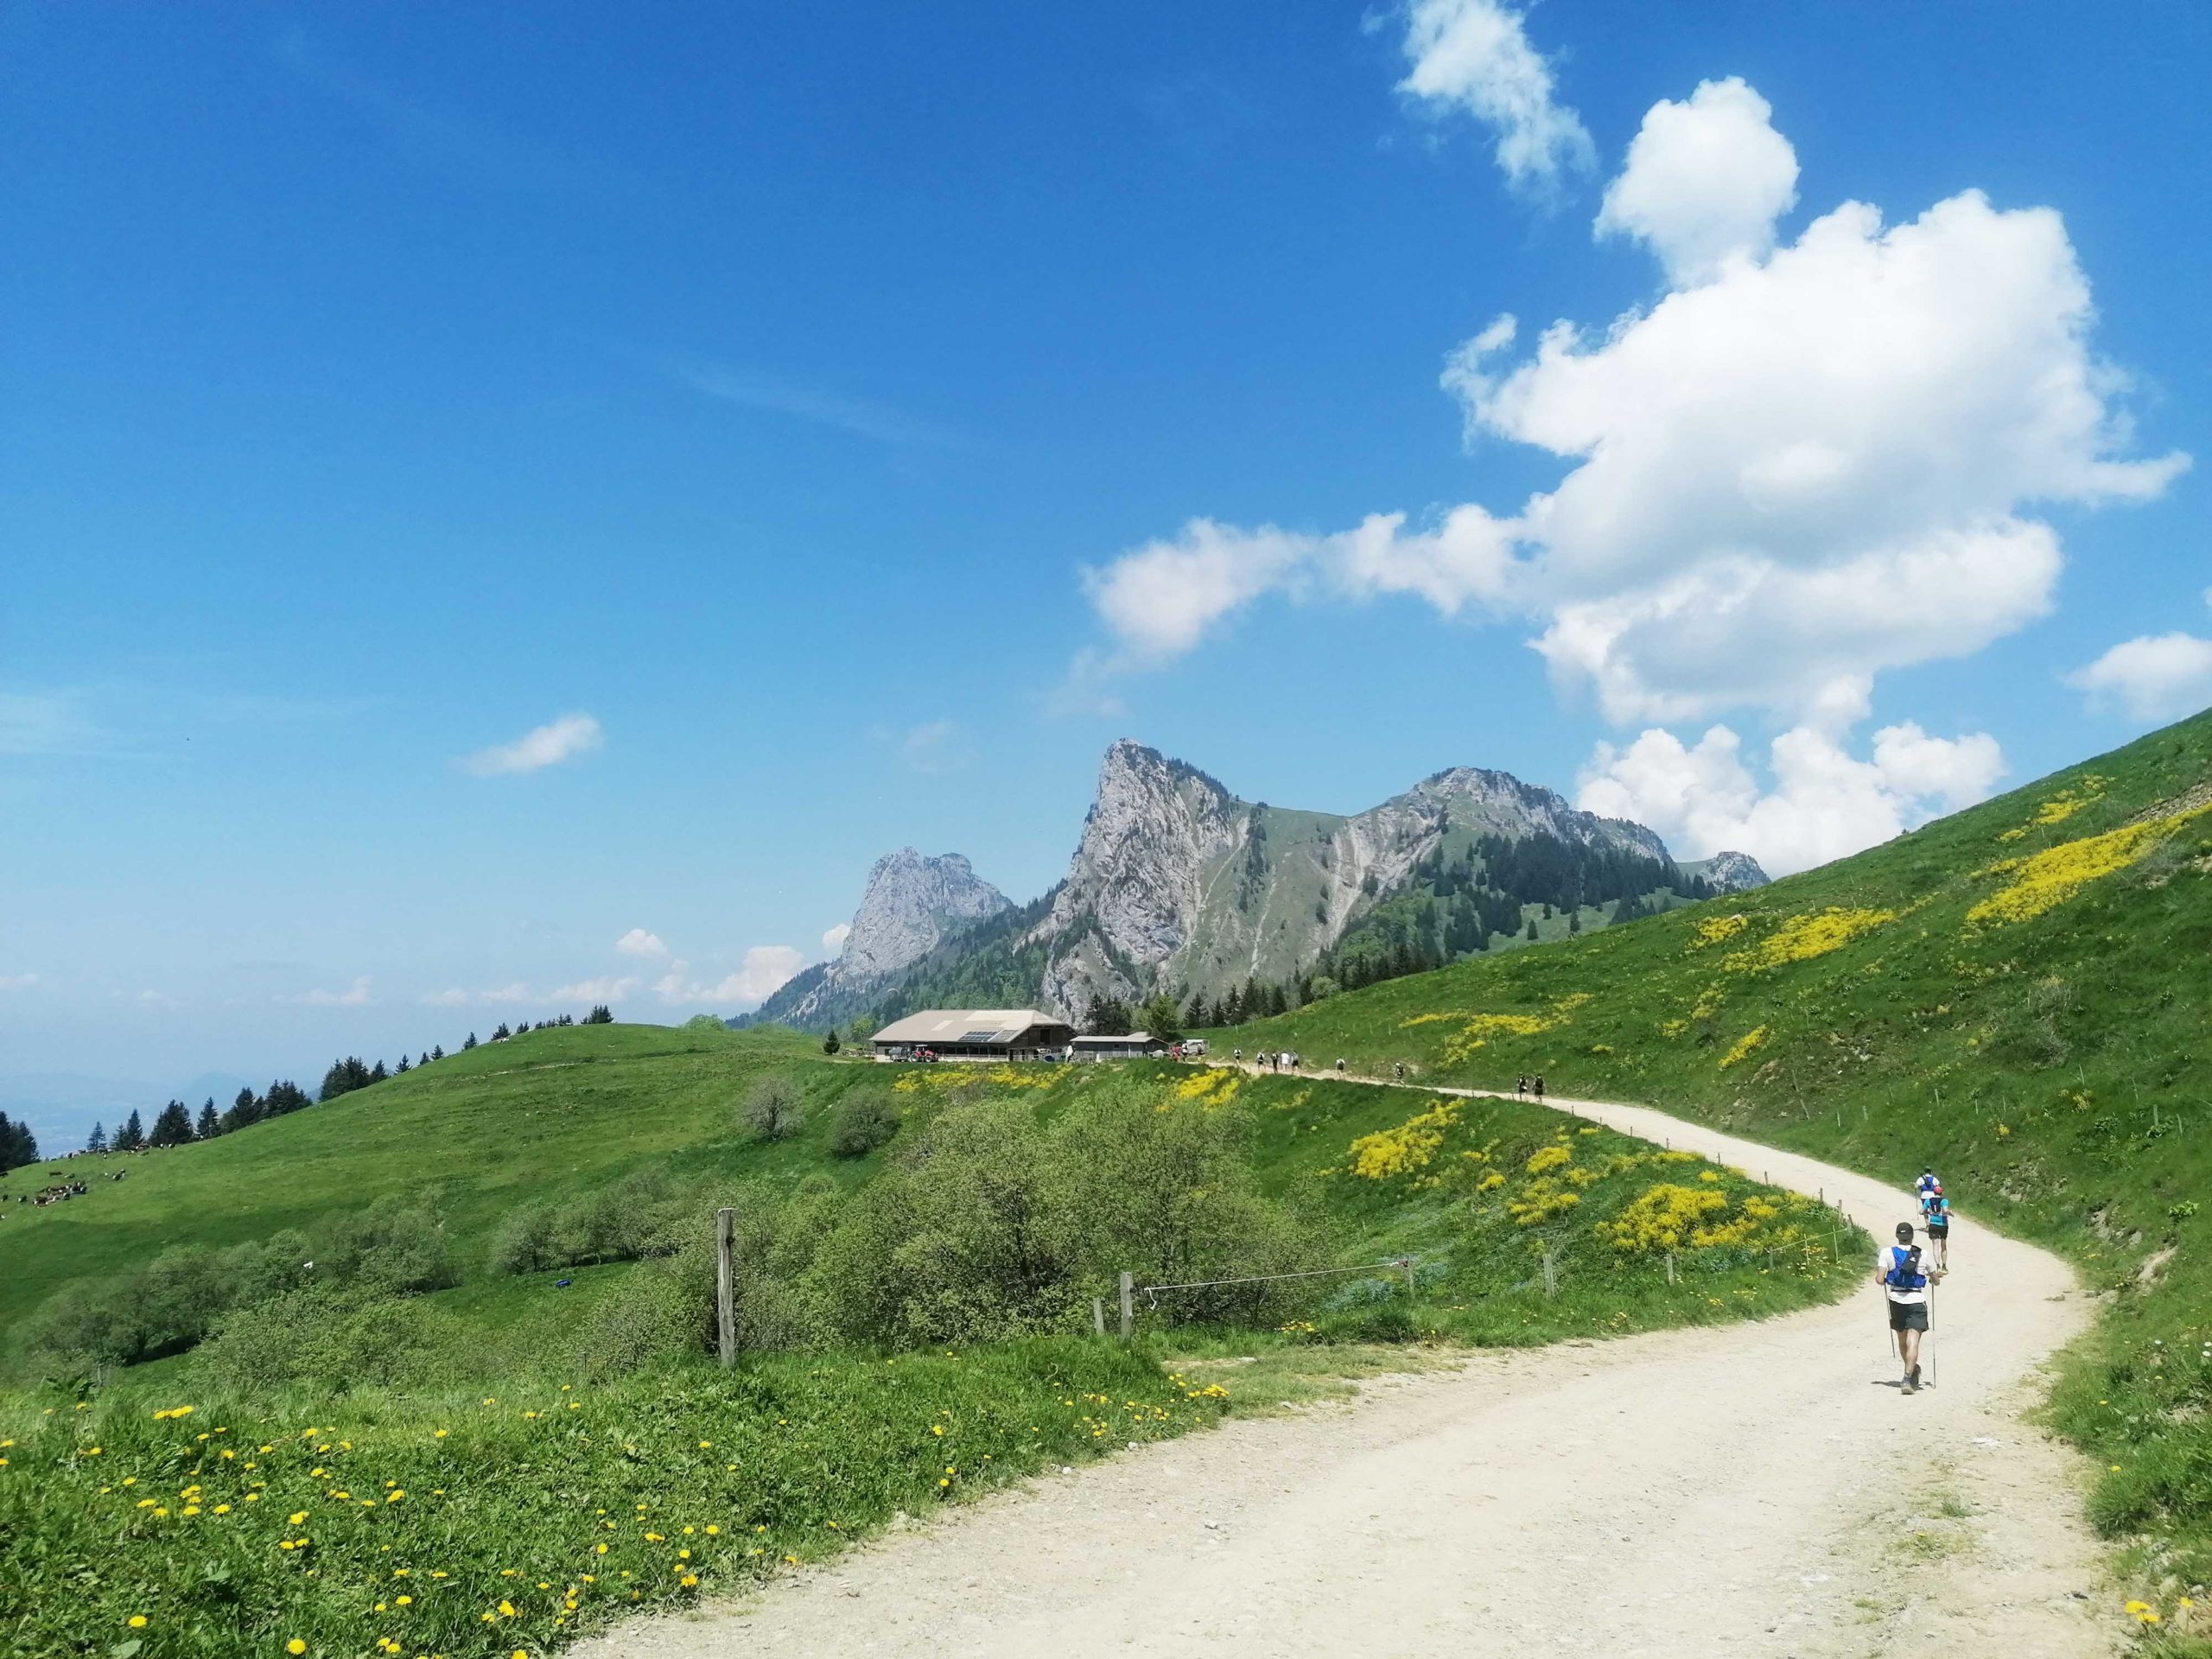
x: 2020, y: 995
x: 551, y: 1112
x: 487, y: 1469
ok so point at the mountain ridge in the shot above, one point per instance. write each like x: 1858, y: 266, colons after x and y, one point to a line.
x: 1178, y: 885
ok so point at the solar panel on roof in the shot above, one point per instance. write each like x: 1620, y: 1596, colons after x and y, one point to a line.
x: 979, y: 1036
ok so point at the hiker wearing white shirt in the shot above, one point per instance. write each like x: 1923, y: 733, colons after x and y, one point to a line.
x: 1906, y: 1278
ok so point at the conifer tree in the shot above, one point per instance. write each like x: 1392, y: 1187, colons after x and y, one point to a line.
x: 1532, y: 930
x: 132, y: 1135
x: 97, y: 1141
x: 404, y: 1065
x: 17, y: 1146
x: 377, y: 1073
x: 502, y: 1033
x: 173, y: 1128
x: 437, y: 1053
x: 470, y: 1044
x: 209, y: 1125
x: 829, y: 1043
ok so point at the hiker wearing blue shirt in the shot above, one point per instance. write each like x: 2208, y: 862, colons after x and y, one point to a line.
x: 1906, y: 1280
x: 1935, y: 1210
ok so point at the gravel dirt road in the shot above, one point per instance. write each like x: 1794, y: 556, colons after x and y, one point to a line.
x: 1761, y: 1488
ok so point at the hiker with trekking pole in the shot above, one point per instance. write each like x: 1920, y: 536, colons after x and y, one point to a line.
x: 1908, y: 1283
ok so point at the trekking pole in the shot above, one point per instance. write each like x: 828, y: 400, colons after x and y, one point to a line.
x: 1928, y: 1341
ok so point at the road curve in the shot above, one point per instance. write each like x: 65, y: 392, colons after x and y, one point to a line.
x: 1759, y: 1489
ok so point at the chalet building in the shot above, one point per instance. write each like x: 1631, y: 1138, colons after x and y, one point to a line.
x: 975, y: 1034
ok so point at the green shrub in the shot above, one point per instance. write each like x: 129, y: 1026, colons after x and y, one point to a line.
x: 865, y: 1121
x: 774, y: 1109
x: 334, y: 1340
x: 398, y: 1243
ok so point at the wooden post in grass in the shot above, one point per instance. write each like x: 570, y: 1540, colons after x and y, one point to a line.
x: 1551, y: 1276
x: 1670, y: 1267
x: 1406, y: 1262
x: 725, y: 1288
x: 1098, y: 1314
x: 1129, y: 1305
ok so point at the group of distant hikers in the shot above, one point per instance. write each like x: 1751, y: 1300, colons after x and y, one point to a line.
x: 1908, y: 1274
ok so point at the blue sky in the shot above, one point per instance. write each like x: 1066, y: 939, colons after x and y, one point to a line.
x: 812, y: 406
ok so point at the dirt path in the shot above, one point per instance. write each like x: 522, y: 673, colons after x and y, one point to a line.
x: 1759, y: 1490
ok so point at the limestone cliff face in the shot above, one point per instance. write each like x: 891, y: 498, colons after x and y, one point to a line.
x: 911, y: 903
x: 1138, y: 882
x: 1730, y: 872
x: 1176, y: 882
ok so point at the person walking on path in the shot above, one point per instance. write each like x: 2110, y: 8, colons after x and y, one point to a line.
x: 1935, y: 1210
x: 1906, y: 1280
x: 1538, y: 1085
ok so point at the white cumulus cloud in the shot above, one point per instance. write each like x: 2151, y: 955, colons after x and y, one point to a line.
x: 1803, y: 465
x: 766, y: 967
x: 544, y: 745
x: 639, y: 943
x: 355, y: 995
x: 832, y: 938
x: 1703, y: 182
x: 1474, y: 56
x: 1824, y: 803
x: 2154, y: 677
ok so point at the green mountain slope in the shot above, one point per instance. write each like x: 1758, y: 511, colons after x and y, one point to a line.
x: 552, y: 1112
x: 2020, y: 995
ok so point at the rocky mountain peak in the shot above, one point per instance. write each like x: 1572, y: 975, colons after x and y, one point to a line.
x: 1730, y: 872
x: 910, y: 900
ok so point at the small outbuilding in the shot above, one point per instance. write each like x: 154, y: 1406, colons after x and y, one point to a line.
x: 1132, y: 1045
x: 974, y: 1034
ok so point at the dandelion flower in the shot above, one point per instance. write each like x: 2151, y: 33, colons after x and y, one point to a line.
x: 295, y: 1646
x: 137, y: 1621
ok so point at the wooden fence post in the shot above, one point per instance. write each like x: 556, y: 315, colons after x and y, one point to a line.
x: 1670, y: 1267
x: 1406, y: 1262
x: 1098, y: 1315
x: 1129, y: 1305
x: 725, y: 1288
x: 1551, y: 1276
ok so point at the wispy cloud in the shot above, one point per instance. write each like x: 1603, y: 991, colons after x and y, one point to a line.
x: 462, y: 147
x: 639, y: 943
x: 610, y: 988
x: 544, y: 745
x: 936, y: 745
x: 355, y: 995
x: 861, y: 417
x: 17, y: 981
x: 48, y: 722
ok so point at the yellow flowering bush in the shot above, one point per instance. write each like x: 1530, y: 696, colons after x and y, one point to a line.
x: 2043, y: 880
x: 1803, y: 937
x: 1715, y: 929
x: 1548, y: 1158
x: 1541, y: 1200
x: 1213, y: 1088
x: 1407, y: 1149
x: 1749, y: 1040
x: 1662, y: 1217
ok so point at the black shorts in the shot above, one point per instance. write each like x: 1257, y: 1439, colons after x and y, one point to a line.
x: 1939, y: 1230
x: 1908, y: 1316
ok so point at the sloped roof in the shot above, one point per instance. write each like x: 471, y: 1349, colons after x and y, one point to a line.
x: 964, y: 1025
